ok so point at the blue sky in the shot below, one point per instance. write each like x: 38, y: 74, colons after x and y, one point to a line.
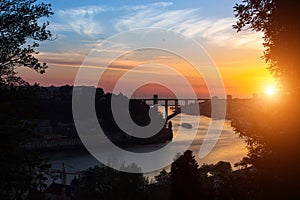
x: 94, y: 20
x: 213, y: 8
x: 79, y: 25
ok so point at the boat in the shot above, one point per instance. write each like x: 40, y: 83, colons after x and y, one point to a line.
x: 187, y: 125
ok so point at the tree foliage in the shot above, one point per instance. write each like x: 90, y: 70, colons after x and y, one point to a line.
x: 185, y: 176
x: 278, y: 20
x: 271, y: 127
x: 107, y: 183
x: 20, y: 34
x: 22, y: 174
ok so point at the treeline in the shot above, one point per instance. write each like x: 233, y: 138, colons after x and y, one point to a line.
x: 55, y: 104
x: 186, y: 180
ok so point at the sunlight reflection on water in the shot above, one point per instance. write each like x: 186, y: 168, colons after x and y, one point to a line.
x: 229, y: 147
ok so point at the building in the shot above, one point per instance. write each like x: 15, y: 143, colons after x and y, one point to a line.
x: 229, y: 97
x: 214, y: 98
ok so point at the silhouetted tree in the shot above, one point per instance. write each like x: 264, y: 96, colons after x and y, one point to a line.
x: 161, y: 189
x: 279, y: 21
x: 107, y: 183
x: 163, y: 178
x: 20, y: 33
x: 185, y: 177
x: 270, y: 128
x: 22, y: 174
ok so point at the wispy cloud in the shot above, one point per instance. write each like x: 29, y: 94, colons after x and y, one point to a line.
x: 190, y: 23
x: 84, y: 20
x: 88, y: 21
x: 59, y: 27
x: 86, y: 26
x: 62, y: 58
x: 82, y: 11
x: 91, y: 10
x: 153, y: 18
x: 81, y: 20
x: 146, y: 6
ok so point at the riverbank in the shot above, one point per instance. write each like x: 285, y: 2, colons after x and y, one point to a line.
x: 229, y: 148
x: 118, y: 138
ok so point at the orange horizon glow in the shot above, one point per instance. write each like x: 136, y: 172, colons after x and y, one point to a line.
x: 244, y: 73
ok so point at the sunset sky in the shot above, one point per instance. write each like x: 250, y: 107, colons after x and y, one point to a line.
x: 80, y: 25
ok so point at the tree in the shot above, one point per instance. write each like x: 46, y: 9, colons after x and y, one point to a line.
x: 20, y: 33
x: 271, y: 129
x: 279, y: 21
x: 106, y: 183
x: 185, y: 177
x: 163, y: 178
x: 22, y: 174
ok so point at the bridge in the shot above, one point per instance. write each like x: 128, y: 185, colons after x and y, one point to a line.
x: 171, y: 102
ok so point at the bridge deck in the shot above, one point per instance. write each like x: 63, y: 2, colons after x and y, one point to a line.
x: 167, y: 103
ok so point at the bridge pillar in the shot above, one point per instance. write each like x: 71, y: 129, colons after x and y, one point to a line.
x: 155, y: 99
x: 176, y: 105
x: 166, y: 109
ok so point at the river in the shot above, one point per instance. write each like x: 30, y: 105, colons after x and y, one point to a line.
x: 229, y: 147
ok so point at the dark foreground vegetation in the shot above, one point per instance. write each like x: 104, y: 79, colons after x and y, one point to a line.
x: 270, y: 171
x: 186, y: 180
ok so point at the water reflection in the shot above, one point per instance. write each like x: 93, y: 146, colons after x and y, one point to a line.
x: 229, y: 147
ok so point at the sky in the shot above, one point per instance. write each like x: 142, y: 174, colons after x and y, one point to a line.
x: 80, y: 26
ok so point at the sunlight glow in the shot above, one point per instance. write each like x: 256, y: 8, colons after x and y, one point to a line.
x: 271, y: 90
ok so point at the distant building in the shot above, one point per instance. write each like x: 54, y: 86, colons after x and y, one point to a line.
x: 214, y: 98
x: 229, y: 97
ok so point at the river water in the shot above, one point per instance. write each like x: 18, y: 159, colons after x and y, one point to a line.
x: 229, y: 147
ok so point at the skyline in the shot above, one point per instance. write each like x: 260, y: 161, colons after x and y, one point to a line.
x: 79, y: 26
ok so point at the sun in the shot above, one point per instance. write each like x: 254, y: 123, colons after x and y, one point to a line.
x: 271, y: 90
